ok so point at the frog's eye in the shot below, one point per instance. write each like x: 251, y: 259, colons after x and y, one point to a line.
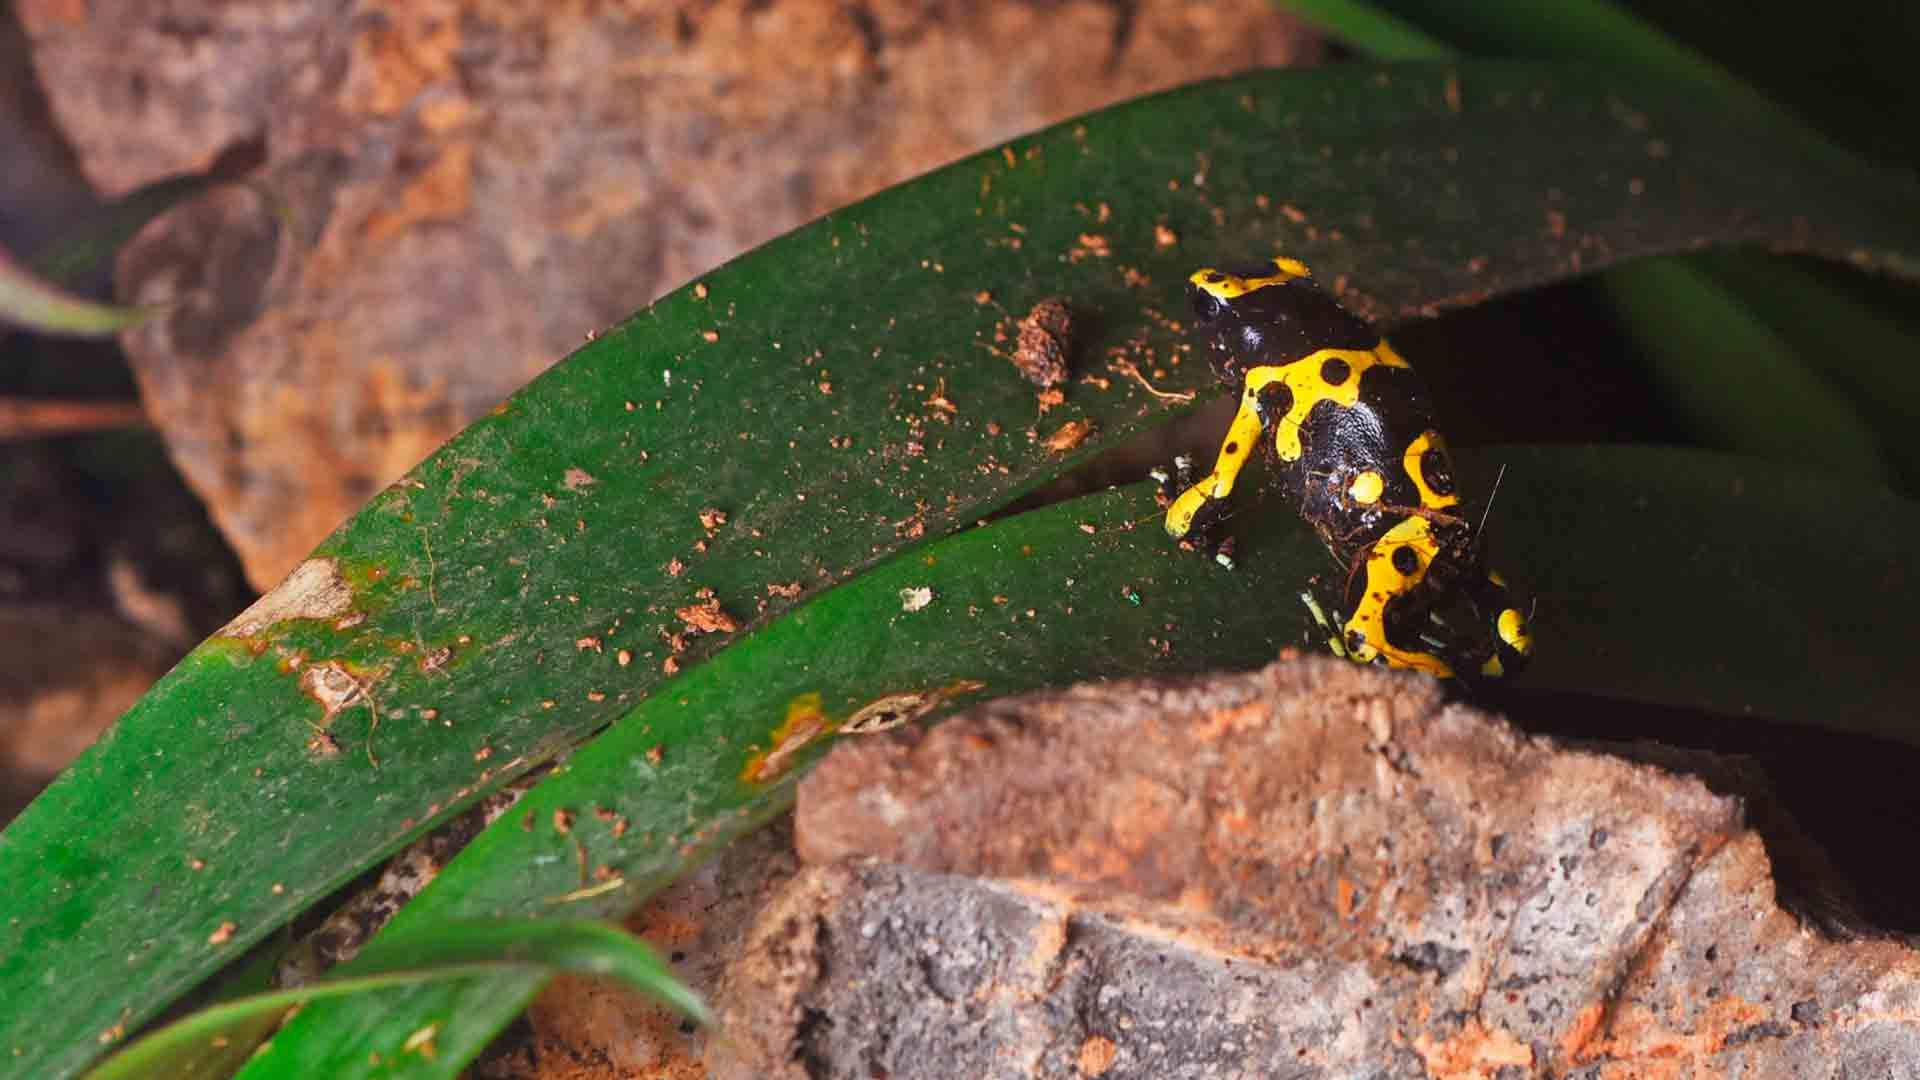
x: 1206, y: 306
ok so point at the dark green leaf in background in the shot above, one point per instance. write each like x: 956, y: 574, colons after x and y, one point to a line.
x: 1731, y: 369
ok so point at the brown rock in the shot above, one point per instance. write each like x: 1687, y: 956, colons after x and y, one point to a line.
x: 65, y: 674
x: 475, y: 185
x: 1313, y: 870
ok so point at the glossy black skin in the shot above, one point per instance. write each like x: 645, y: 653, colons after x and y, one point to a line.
x: 1279, y: 324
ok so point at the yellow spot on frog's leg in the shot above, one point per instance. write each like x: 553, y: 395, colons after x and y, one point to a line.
x: 1367, y: 487
x: 1514, y: 631
x: 1493, y: 669
x: 805, y: 722
x: 1414, y: 462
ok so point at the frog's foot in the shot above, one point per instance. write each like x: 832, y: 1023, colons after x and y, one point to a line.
x: 1175, y: 481
x: 1193, y: 514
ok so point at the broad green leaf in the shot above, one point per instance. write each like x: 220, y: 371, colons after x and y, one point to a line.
x: 836, y: 396
x: 447, y: 951
x: 1669, y: 576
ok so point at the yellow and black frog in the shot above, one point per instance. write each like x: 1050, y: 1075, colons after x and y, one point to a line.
x: 1355, y: 445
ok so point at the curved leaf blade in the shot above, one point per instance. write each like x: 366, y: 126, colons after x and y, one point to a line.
x: 37, y: 304
x: 447, y: 951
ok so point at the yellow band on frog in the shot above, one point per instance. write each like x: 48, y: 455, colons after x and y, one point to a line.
x: 1386, y: 582
x: 1414, y: 462
x: 1225, y: 286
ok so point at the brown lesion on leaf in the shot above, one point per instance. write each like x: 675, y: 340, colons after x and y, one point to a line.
x: 315, y: 590
x: 893, y: 710
x: 1043, y: 350
x: 339, y: 685
x: 336, y: 686
x: 431, y: 661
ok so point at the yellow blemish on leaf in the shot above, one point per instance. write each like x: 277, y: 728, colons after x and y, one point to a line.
x: 805, y: 722
x: 421, y: 1041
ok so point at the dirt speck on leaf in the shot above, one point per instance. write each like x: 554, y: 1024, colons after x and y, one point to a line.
x: 1070, y: 434
x: 1044, y: 348
x: 707, y: 617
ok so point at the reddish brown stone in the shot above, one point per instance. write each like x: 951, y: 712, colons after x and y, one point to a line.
x: 1315, y: 869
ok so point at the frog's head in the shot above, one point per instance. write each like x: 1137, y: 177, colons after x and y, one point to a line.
x: 1268, y: 314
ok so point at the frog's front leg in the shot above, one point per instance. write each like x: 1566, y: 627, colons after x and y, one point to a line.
x: 1199, y: 507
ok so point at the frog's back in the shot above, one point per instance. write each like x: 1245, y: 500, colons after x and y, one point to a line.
x: 1347, y: 419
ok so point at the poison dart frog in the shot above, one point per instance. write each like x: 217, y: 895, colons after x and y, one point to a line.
x: 1356, y: 448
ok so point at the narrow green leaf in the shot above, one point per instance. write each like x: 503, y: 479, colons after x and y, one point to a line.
x: 470, y: 621
x: 1868, y: 351
x: 220, y: 1055
x: 448, y: 952
x: 1733, y: 380
x: 1371, y: 28
x: 28, y: 301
